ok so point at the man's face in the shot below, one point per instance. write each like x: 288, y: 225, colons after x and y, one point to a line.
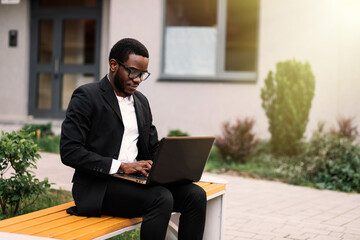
x: 125, y: 86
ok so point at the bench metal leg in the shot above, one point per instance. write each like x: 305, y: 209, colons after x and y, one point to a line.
x: 215, y: 220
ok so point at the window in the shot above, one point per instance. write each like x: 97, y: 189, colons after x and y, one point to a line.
x: 210, y: 40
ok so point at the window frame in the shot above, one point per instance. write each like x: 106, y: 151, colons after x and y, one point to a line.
x: 221, y: 75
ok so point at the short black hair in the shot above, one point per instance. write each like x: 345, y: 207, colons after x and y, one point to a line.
x: 123, y: 48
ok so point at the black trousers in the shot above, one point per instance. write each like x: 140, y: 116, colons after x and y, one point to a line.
x: 155, y: 205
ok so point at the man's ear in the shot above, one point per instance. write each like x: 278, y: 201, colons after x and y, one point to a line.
x: 113, y: 65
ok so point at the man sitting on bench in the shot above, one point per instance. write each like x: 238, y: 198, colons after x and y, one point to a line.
x: 108, y: 128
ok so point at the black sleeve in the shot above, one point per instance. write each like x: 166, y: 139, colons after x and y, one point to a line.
x: 74, y: 133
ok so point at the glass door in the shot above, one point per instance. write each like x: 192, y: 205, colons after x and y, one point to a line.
x: 65, y: 43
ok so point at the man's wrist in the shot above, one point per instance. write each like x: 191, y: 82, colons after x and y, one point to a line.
x: 120, y: 170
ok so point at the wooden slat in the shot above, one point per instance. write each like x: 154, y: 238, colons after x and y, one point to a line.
x: 66, y: 228
x: 54, y: 222
x: 100, y: 229
x: 28, y: 216
x: 202, y: 184
x: 31, y: 230
x: 34, y: 222
x: 214, y: 188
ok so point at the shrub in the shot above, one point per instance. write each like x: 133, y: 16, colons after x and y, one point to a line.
x: 19, y: 153
x: 287, y: 97
x: 177, y: 133
x: 346, y: 128
x: 44, y: 130
x: 237, y: 141
x: 332, y: 162
x: 49, y: 144
x: 45, y: 137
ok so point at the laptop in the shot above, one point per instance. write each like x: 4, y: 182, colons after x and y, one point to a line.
x: 178, y: 159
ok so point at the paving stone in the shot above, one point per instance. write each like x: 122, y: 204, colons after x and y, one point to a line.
x: 348, y: 236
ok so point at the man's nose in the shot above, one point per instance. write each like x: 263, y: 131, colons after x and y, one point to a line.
x: 137, y: 79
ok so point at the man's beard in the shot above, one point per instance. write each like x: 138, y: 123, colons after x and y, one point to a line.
x: 119, y: 84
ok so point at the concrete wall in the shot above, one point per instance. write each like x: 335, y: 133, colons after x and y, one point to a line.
x: 349, y: 60
x: 323, y: 32
x: 14, y: 61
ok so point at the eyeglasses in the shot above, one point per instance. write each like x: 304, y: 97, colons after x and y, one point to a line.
x: 135, y: 73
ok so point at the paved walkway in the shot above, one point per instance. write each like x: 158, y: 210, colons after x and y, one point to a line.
x: 263, y: 210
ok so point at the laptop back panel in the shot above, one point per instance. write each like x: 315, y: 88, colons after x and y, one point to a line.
x: 180, y: 159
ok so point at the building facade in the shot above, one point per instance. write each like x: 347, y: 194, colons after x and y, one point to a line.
x: 208, y: 58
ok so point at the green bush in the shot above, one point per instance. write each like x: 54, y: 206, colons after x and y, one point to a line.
x: 177, y: 133
x: 18, y: 153
x: 44, y: 129
x: 45, y: 137
x: 332, y: 162
x: 49, y: 144
x: 287, y: 97
x: 237, y: 141
x: 346, y: 129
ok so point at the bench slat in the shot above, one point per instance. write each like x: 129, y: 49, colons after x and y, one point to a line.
x: 32, y: 215
x: 100, y: 229
x: 214, y: 188
x: 69, y: 227
x: 50, y: 225
x: 34, y: 222
x: 202, y: 184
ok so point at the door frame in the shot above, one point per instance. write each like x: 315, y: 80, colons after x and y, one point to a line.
x: 58, y: 15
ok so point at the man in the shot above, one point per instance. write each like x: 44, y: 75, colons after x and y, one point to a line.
x: 108, y: 128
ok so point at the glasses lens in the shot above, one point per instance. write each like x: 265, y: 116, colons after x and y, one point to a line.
x: 144, y: 76
x: 134, y: 73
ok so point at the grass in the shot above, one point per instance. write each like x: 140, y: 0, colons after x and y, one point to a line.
x: 261, y: 165
x: 49, y: 144
x: 131, y: 235
x: 255, y: 169
x: 52, y: 197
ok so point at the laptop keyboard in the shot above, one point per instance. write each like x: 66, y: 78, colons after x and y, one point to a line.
x: 137, y: 176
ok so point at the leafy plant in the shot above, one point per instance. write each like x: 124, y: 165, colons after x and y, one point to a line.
x: 41, y: 130
x: 346, y: 128
x: 287, y: 97
x: 45, y: 137
x: 177, y: 133
x: 332, y: 162
x: 49, y: 144
x: 237, y: 141
x: 18, y: 153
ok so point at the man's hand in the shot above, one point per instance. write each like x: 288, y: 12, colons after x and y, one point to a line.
x: 143, y: 167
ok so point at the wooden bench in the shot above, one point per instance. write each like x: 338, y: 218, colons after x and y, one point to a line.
x: 55, y: 223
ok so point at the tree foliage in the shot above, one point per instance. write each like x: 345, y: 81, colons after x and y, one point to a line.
x: 287, y: 97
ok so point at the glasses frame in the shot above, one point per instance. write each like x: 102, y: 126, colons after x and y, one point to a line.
x: 130, y: 70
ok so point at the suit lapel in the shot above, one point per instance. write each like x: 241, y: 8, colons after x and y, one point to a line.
x: 139, y: 112
x: 109, y: 96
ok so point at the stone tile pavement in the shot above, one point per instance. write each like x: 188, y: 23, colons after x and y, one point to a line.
x: 263, y: 210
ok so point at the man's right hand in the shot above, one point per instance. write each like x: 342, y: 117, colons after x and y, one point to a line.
x: 143, y: 167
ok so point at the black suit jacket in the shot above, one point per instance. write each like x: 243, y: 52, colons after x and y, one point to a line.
x: 91, y: 136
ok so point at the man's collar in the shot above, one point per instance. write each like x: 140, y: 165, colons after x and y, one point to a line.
x: 128, y: 99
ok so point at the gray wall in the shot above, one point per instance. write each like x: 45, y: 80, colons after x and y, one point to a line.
x: 325, y: 33
x: 14, y: 61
